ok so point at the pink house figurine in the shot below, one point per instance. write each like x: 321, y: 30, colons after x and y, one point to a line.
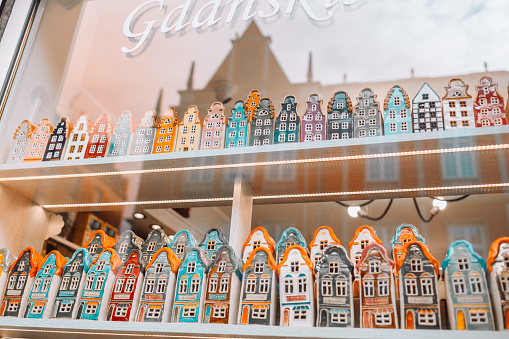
x: 213, y: 127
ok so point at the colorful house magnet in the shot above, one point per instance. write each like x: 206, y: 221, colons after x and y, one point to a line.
x: 324, y: 237
x: 314, y: 123
x: 458, y: 106
x: 20, y: 142
x: 212, y: 240
x: 498, y: 270
x: 181, y: 240
x: 98, y: 242
x: 166, y: 134
x: 340, y: 117
x: 287, y: 124
x: 78, y: 139
x: 367, y: 117
x: 127, y: 242
x: 397, y: 112
x: 55, y: 146
x: 259, y: 237
x: 427, y: 111
x: 237, y: 126
x: 489, y: 104
x: 213, y: 127
x: 122, y: 136
x: 291, y: 236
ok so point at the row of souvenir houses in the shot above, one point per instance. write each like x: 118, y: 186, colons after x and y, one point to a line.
x: 158, y: 280
x: 254, y: 123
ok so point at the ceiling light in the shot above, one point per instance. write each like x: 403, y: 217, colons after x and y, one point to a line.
x: 353, y: 211
x: 155, y: 227
x: 441, y: 204
x: 138, y: 215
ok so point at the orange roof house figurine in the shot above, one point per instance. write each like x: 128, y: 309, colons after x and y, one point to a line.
x: 498, y: 273
x: 38, y: 141
x: 166, y: 132
x: 98, y: 242
x: 20, y: 142
x: 259, y: 237
x: 324, y: 237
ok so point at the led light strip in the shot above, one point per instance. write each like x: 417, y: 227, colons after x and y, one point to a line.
x: 284, y: 196
x: 264, y: 163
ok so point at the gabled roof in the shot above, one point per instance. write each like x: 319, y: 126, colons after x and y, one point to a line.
x: 236, y: 261
x: 239, y: 104
x: 68, y: 123
x: 333, y: 99
x: 170, y: 113
x: 30, y: 128
x: 7, y: 259
x: 201, y: 256
x: 189, y: 235
x: 270, y: 258
x: 468, y: 246
x: 148, y: 119
x: 494, y: 251
x: 220, y: 235
x: 161, y: 233
x: 88, y: 125
x: 35, y: 258
x: 423, y: 87
x: 60, y: 261
x: 380, y: 248
x: 87, y: 259
x: 285, y: 234
x: 107, y: 120
x: 270, y: 241
x: 193, y: 109
x: 114, y: 259
x: 132, y: 124
x: 456, y: 83
x: 399, y: 229
x: 425, y: 251
x: 131, y: 237
x: 303, y: 254
x: 359, y: 230
x: 106, y: 240
x: 172, y: 258
x: 331, y: 233
x: 341, y: 251
x: 216, y: 107
x: 44, y: 122
x: 389, y: 94
x: 269, y: 107
x: 135, y: 253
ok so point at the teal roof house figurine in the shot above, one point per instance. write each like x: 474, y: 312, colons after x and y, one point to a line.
x: 287, y: 123
x: 237, y: 127
x: 340, y: 117
x: 291, y: 236
x: 397, y: 112
x: 181, y: 240
x: 212, y: 241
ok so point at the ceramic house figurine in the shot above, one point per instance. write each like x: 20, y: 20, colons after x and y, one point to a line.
x: 404, y: 233
x: 99, y: 137
x: 189, y: 131
x: 397, y: 112
x: 98, y: 286
x: 258, y: 293
x: 6, y: 260
x: 45, y: 287
x: 468, y: 300
x: 324, y: 237
x: 367, y: 119
x: 158, y: 287
x: 498, y: 270
x: 314, y: 123
x: 296, y: 275
x: 287, y: 124
x: 377, y: 291
x: 78, y: 139
x: 128, y: 285
x: 224, y: 279
x: 237, y: 126
x: 291, y: 236
x: 262, y: 124
x: 258, y: 237
x: 458, y: 106
x: 38, y: 141
x: 212, y: 241
x: 334, y: 273
x: 363, y: 236
x: 19, y: 283
x: 55, y: 146
x: 166, y: 134
x: 489, y: 104
x: 213, y: 127
x: 20, y: 142
x: 156, y: 240
x: 181, y: 240
x: 98, y: 242
x: 143, y: 139
x: 190, y: 287
x: 427, y: 111
x: 418, y: 277
x: 122, y: 136
x: 340, y: 117
x: 127, y: 242
x: 71, y: 285
x: 252, y: 102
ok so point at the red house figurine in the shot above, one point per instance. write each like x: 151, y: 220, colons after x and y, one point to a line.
x: 489, y: 104
x: 99, y: 137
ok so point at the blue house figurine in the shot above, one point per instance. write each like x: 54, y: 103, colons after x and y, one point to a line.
x: 397, y: 112
x: 122, y: 136
x: 291, y: 236
x: 340, y: 117
x: 127, y: 242
x: 237, y: 127
x: 287, y: 124
x: 212, y: 241
x: 181, y: 240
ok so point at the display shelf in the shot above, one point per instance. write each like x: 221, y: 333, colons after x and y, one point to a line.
x: 463, y: 161
x: 40, y: 328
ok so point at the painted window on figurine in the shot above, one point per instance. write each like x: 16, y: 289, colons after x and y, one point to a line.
x: 411, y: 285
x: 37, y: 309
x: 463, y: 264
x: 427, y: 286
x: 258, y: 267
x: 151, y: 246
x: 264, y: 285
x: 219, y: 312
x: 369, y: 287
x: 13, y: 307
x: 327, y: 286
x: 89, y: 283
x: 294, y: 266
x: 323, y: 244
x: 161, y: 285
x: 416, y: 265
x: 383, y: 319
x: 213, y: 285
x: 341, y: 286
x: 189, y: 312
x: 129, y: 268
x: 475, y: 284
x: 374, y: 266
x: 159, y: 267
x: 149, y: 286
x: 121, y: 311
x: 426, y: 318
x: 65, y: 283
x: 75, y: 282
x: 300, y: 314
x: 339, y: 318
x: 45, y: 284
x: 221, y: 267
x: 458, y: 284
x: 478, y: 316
x: 259, y: 313
x: 191, y: 267
x: 93, y: 247
x: 224, y: 284
x: 195, y: 285
x: 183, y: 285
x: 383, y: 287
x: 99, y: 282
x: 250, y: 285
x: 211, y: 245
x: 91, y: 309
x: 289, y: 285
x: 65, y: 307
x: 153, y: 313
x: 497, y: 121
x: 504, y: 282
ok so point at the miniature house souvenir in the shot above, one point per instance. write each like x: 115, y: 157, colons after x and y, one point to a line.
x: 71, y: 286
x: 418, y: 276
x: 20, y: 142
x: 340, y: 117
x: 458, y: 106
x: 98, y: 286
x: 6, y: 260
x: 258, y: 294
x: 258, y: 237
x: 397, y: 113
x: 489, y: 104
x: 253, y: 100
x: 156, y: 240
x: 99, y: 137
x: 98, y: 242
x: 324, y: 237
x: 181, y: 240
x: 19, y: 283
x: 128, y: 284
x: 427, y: 111
x: 334, y: 273
x: 46, y: 283
x: 314, y: 123
x: 297, y: 301
x: 404, y: 233
x: 262, y: 124
x: 55, y: 146
x: 367, y: 119
x: 237, y: 128
x: 190, y: 287
x: 78, y: 139
x: 468, y: 300
x: 213, y: 127
x: 38, y: 141
x: 143, y: 139
x: 189, y: 131
x: 158, y: 287
x: 287, y: 124
x: 498, y: 270
x: 166, y: 134
x: 291, y: 236
x: 127, y: 242
x: 212, y: 241
x: 224, y: 279
x: 122, y: 136
x: 363, y: 236
x: 377, y: 291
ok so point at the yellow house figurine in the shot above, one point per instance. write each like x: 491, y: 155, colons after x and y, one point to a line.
x: 189, y: 132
